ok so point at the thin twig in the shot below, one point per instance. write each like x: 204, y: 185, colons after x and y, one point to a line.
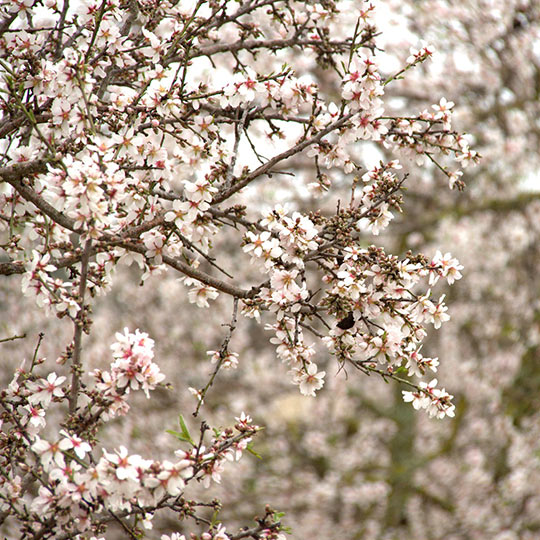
x: 184, y: 268
x: 12, y: 338
x: 222, y: 355
x: 60, y: 29
x: 209, y: 259
x: 255, y: 532
x: 263, y: 169
x: 36, y: 349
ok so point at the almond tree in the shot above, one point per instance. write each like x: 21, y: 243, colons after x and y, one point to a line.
x: 144, y: 132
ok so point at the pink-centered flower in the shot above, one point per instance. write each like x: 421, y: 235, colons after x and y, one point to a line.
x: 310, y: 380
x: 46, y: 389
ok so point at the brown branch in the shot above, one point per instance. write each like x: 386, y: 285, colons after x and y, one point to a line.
x: 79, y: 326
x: 14, y: 174
x: 8, y: 126
x: 263, y: 169
x: 6, y: 23
x: 255, y: 532
x: 12, y: 338
x: 60, y: 28
x: 21, y: 170
x: 10, y: 268
x: 195, y: 274
x: 272, y: 44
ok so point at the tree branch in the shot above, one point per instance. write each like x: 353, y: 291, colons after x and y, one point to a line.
x: 272, y: 44
x: 79, y: 327
x: 195, y: 274
x: 14, y: 174
x: 222, y: 355
x: 263, y: 169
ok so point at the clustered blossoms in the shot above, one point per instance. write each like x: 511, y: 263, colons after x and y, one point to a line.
x: 386, y: 321
x: 376, y: 298
x: 293, y: 351
x: 186, y: 211
x: 389, y: 328
x: 229, y: 360
x: 284, y: 245
x: 435, y: 400
x: 133, y: 369
x: 48, y: 292
x: 378, y: 197
x: 75, y: 486
x: 429, y: 134
x: 361, y: 93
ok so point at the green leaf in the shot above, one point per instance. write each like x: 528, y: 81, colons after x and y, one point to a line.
x: 185, y: 431
x: 214, y: 521
x: 249, y: 448
x: 183, y: 435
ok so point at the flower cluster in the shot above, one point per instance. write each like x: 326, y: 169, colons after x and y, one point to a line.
x: 49, y: 292
x: 283, y: 247
x: 133, y: 369
x: 376, y: 297
x: 185, y: 211
x: 119, y: 478
x: 362, y: 86
x: 444, y: 266
x: 77, y: 488
x: 229, y: 360
x: 379, y: 196
x: 436, y: 401
x: 431, y: 134
x: 417, y: 56
x: 386, y: 320
x: 292, y: 350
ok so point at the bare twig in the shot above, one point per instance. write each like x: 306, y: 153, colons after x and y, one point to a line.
x: 210, y: 260
x: 177, y: 264
x: 36, y: 349
x: 238, y: 129
x: 272, y: 44
x: 222, y: 355
x: 12, y: 338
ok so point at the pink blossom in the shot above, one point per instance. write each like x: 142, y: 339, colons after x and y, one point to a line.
x: 50, y: 454
x: 44, y: 390
x: 310, y: 380
x: 75, y: 443
x: 201, y: 293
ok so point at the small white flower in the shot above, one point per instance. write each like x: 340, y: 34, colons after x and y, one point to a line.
x: 310, y: 380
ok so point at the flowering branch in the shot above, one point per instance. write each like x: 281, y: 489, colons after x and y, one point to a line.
x: 223, y: 356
